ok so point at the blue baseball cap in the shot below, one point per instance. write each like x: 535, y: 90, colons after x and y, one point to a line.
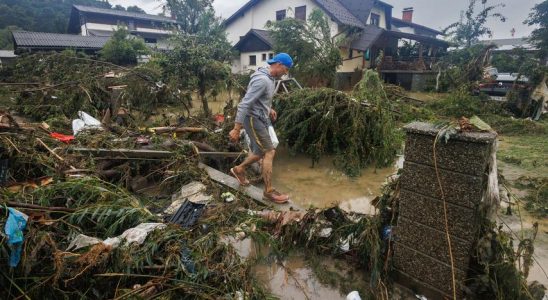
x: 282, y: 58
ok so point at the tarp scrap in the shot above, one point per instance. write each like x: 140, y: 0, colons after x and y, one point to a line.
x: 133, y: 235
x: 16, y: 223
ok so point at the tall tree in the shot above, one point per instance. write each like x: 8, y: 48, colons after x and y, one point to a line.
x: 315, y: 54
x: 200, y: 60
x: 539, y: 17
x: 189, y: 13
x: 471, y: 26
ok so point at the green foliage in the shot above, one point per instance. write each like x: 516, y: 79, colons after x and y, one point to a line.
x: 463, y: 67
x: 135, y: 9
x: 460, y: 103
x: 315, y: 54
x: 515, y: 61
x: 198, y: 63
x: 325, y: 121
x: 6, y: 40
x: 192, y: 15
x: 500, y: 270
x: 122, y: 48
x: 471, y: 27
x: 539, y: 36
x: 77, y: 82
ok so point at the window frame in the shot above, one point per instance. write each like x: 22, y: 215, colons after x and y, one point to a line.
x: 375, y: 19
x: 281, y: 14
x: 299, y: 17
x: 253, y: 60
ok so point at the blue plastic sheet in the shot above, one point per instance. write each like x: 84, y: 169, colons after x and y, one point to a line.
x: 16, y: 223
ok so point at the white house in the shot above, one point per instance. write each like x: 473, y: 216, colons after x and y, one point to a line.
x: 246, y: 27
x: 378, y: 30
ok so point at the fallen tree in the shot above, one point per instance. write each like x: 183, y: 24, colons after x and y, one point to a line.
x: 358, y: 129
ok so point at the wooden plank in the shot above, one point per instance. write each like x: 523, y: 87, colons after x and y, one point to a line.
x: 251, y: 191
x: 222, y: 154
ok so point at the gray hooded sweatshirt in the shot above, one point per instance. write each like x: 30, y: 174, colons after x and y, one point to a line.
x: 258, y: 99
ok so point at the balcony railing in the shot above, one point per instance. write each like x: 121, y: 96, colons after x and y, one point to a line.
x: 390, y: 63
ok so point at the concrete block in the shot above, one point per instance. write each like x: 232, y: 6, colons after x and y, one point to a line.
x: 458, y: 156
x: 427, y: 270
x: 433, y: 243
x: 429, y: 212
x: 459, y: 189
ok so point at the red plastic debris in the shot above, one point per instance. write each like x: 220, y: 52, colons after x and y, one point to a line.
x: 61, y: 137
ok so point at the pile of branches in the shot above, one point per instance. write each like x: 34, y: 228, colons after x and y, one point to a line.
x: 172, y: 262
x: 359, y: 130
x: 53, y: 85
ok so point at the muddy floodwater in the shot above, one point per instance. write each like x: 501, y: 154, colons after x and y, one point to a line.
x: 323, y: 185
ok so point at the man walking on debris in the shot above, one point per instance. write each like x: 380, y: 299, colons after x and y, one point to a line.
x: 254, y: 112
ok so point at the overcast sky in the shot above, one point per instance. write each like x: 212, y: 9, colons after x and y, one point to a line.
x: 436, y: 14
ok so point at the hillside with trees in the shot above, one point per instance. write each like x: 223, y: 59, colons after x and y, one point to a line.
x: 42, y: 15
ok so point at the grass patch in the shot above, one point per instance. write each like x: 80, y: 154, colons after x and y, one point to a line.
x: 527, y: 151
x: 510, y: 126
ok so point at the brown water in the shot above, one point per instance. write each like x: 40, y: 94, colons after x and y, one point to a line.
x: 292, y: 278
x: 324, y: 186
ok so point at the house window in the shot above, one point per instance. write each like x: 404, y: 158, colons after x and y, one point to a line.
x: 375, y: 19
x: 300, y: 13
x: 252, y: 60
x: 264, y: 56
x: 271, y: 56
x: 151, y: 41
x: 350, y: 52
x: 131, y: 25
x: 280, y: 15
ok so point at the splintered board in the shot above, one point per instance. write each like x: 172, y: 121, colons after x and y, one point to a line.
x: 251, y: 191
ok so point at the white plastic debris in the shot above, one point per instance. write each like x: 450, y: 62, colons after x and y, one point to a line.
x: 85, y: 122
x: 345, y: 244
x: 193, y: 192
x: 273, y: 136
x: 133, y: 235
x: 354, y: 295
x: 81, y: 241
x: 325, y: 232
x: 421, y: 297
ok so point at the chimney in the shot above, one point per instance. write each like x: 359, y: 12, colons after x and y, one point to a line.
x: 408, y: 14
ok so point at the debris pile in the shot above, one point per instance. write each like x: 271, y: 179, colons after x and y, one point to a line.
x: 359, y: 130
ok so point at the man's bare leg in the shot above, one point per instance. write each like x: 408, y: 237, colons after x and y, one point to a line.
x: 269, y: 191
x: 267, y: 169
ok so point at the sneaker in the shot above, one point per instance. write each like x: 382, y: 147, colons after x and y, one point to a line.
x: 276, y: 197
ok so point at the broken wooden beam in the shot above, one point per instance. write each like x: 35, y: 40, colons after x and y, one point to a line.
x: 251, y: 191
x: 37, y: 207
x: 143, y: 154
x: 162, y: 130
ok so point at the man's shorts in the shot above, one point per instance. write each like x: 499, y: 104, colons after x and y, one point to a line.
x: 257, y: 130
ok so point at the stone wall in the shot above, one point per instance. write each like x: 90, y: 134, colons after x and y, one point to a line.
x: 421, y: 254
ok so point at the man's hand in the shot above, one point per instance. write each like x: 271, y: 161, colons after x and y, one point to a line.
x: 273, y: 115
x: 234, y: 134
